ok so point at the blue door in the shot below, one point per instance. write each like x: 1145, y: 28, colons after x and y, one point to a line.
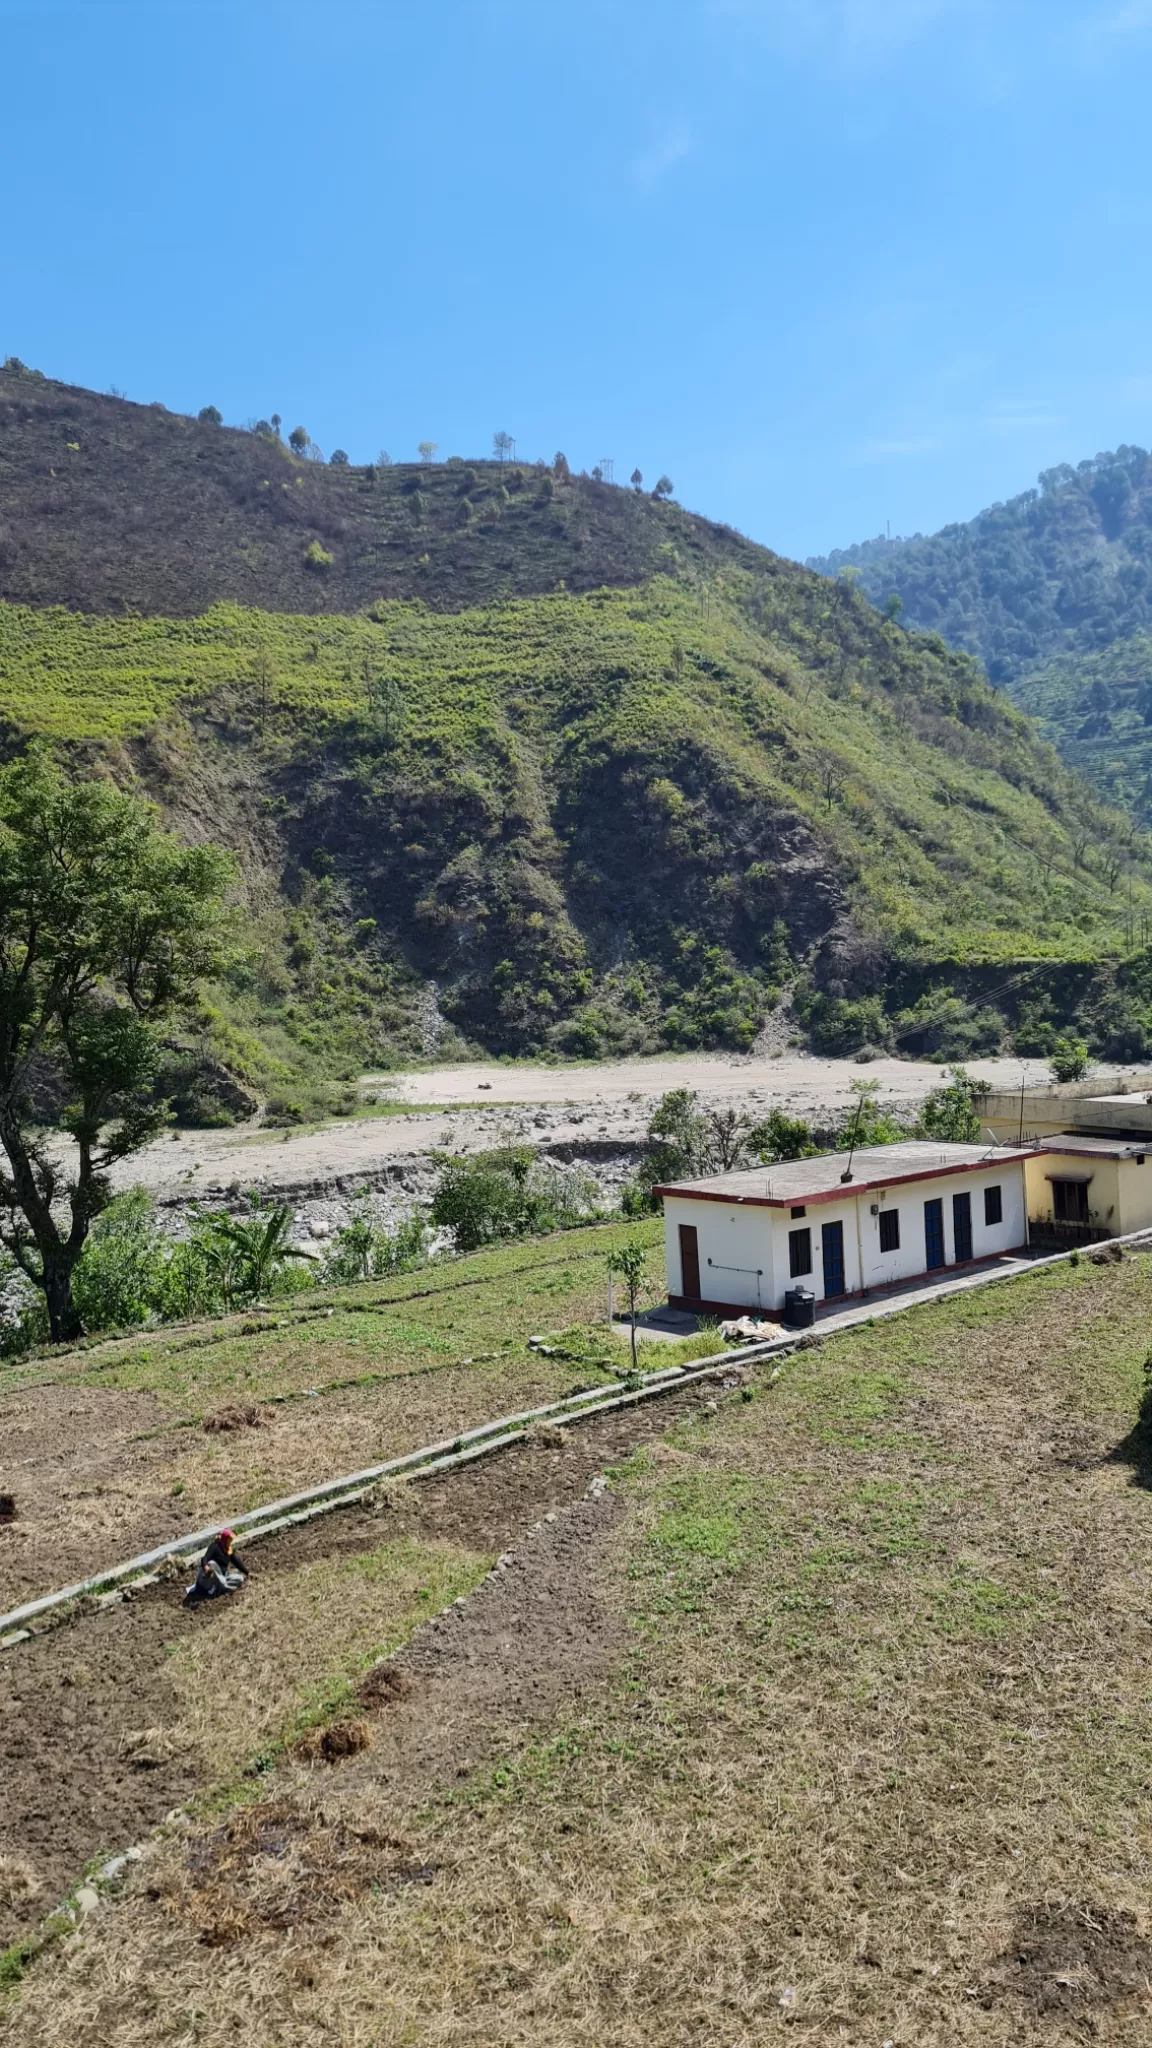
x: 961, y: 1228
x: 832, y: 1238
x: 934, y: 1234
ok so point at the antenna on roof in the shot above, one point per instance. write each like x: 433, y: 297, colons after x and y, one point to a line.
x: 847, y: 1173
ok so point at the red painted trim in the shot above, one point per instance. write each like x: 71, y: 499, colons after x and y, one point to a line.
x: 722, y: 1308
x: 840, y: 1194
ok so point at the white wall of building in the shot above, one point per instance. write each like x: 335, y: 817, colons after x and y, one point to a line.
x: 740, y: 1238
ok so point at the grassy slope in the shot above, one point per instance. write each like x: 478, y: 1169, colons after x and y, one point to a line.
x: 593, y: 812
x: 878, y: 1736
x: 357, y: 1375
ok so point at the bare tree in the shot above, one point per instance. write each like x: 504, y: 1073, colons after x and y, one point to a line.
x: 726, y: 1132
x: 502, y: 446
x: 427, y: 450
x: 830, y: 776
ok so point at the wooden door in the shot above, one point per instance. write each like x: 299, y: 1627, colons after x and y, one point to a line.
x: 832, y: 1247
x: 933, y: 1234
x: 689, y: 1262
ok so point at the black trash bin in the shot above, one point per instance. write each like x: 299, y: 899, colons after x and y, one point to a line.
x: 799, y: 1308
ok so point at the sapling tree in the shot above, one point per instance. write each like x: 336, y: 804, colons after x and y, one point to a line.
x: 106, y: 925
x: 631, y: 1264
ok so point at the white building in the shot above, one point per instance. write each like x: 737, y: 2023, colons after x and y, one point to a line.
x: 839, y: 1224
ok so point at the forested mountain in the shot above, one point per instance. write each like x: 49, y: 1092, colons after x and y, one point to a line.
x: 484, y: 798
x: 1063, y: 569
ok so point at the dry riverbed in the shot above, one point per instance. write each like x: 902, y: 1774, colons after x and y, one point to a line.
x: 594, y: 1114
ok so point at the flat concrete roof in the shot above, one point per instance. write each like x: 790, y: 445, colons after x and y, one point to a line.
x: 795, y: 1181
x: 1128, y: 1100
x: 1084, y: 1145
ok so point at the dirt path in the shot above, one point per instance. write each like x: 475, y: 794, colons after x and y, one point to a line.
x: 68, y: 1790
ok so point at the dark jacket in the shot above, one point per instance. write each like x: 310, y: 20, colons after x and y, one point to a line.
x: 224, y: 1560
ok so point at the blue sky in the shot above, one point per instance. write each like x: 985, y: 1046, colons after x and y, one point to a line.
x: 828, y: 263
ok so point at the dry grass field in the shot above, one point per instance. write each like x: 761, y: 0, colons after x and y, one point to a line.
x: 111, y: 1449
x: 830, y: 1720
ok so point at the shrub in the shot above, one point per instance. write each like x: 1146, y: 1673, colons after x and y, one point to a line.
x: 338, y: 459
x: 505, y: 1193
x: 298, y: 439
x: 781, y: 1137
x: 1069, y: 1059
x: 119, y: 1281
x: 949, y: 1113
x: 317, y: 558
x: 210, y: 416
x: 363, y: 1250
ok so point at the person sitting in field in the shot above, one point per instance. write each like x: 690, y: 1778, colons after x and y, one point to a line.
x: 220, y: 1571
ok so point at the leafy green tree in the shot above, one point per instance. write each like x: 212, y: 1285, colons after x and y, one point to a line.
x: 298, y: 439
x: 893, y: 606
x: 779, y: 1136
x: 636, y: 480
x: 663, y: 487
x: 118, y: 1283
x: 210, y: 416
x: 427, y: 451
x: 865, y: 1123
x: 338, y: 459
x: 106, y: 925
x: 949, y: 1113
x: 1070, y: 1059
x: 560, y: 466
x: 385, y: 695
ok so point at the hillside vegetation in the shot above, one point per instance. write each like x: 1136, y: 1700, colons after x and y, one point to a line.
x: 1052, y: 592
x: 106, y: 506
x: 571, y: 820
x: 596, y: 823
x: 1063, y: 569
x: 1097, y: 711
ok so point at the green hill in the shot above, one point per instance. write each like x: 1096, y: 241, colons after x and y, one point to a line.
x: 1052, y: 592
x: 580, y: 820
x: 1064, y: 569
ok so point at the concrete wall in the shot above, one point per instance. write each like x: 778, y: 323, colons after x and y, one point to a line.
x: 1081, y: 1106
x: 1119, y: 1192
x: 738, y: 1240
x: 743, y: 1237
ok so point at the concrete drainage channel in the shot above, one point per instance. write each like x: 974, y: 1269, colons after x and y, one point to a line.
x: 120, y: 1581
